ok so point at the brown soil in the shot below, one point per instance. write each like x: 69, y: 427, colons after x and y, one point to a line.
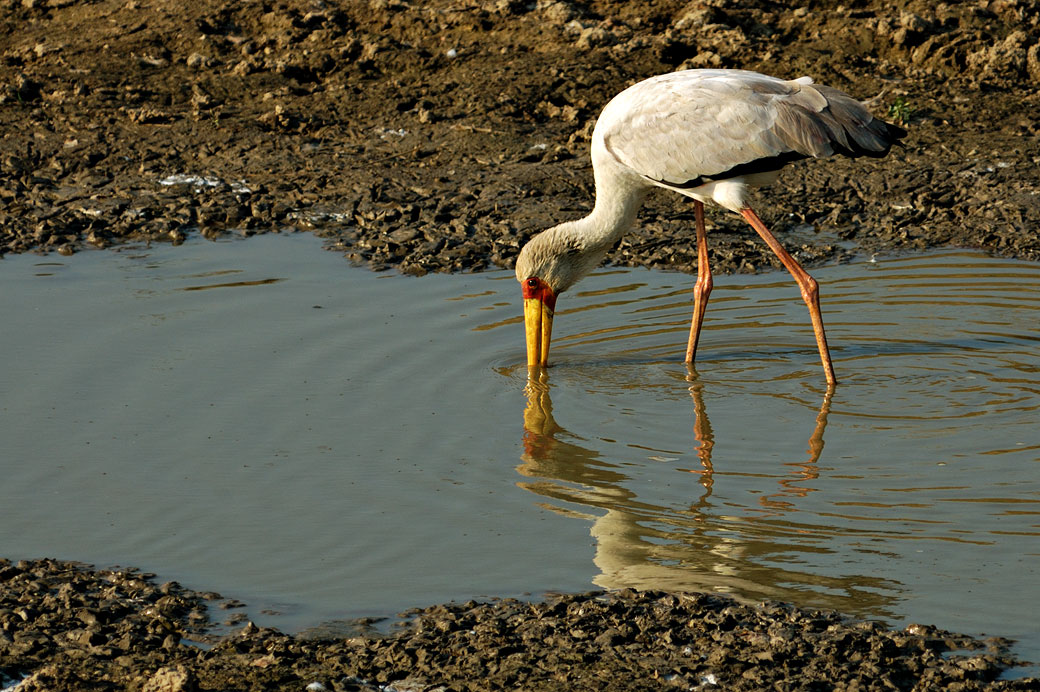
x: 439, y: 135
x: 67, y: 627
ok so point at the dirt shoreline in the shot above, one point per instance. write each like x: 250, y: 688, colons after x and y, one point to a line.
x: 439, y: 136
x: 66, y: 626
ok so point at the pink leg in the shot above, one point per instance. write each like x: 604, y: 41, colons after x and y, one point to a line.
x: 701, y: 289
x: 807, y: 284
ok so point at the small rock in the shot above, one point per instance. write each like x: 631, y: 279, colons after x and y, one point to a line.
x: 594, y: 37
x: 913, y: 22
x: 197, y: 60
x: 557, y: 12
x: 403, y: 235
x: 175, y: 678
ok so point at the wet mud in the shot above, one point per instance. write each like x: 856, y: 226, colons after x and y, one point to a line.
x: 65, y: 626
x: 439, y: 136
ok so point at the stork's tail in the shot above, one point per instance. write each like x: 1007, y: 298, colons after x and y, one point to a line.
x: 853, y: 130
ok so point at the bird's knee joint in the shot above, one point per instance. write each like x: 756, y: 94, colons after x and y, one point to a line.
x: 810, y: 290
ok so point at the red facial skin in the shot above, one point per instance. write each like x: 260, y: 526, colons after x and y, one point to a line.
x: 536, y: 288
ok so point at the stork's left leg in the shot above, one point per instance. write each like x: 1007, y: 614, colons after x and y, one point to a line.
x: 701, y: 289
x: 807, y: 284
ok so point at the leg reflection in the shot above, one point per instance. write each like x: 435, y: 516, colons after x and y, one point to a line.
x: 807, y: 470
x: 705, y: 437
x: 701, y: 429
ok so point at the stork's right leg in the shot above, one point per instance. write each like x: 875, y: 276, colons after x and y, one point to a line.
x: 701, y: 289
x: 807, y: 284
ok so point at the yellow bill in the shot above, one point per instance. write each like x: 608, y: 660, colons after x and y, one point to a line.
x: 539, y: 302
x: 538, y: 319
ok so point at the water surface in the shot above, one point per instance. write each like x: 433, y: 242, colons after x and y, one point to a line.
x: 259, y: 418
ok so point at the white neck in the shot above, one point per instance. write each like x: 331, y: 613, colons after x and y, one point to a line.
x: 563, y: 254
x: 619, y: 195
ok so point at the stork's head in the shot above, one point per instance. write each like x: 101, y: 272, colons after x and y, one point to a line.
x: 549, y: 264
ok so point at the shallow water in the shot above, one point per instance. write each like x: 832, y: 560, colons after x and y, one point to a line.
x: 323, y: 442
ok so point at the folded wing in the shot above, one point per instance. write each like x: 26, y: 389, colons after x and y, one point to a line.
x: 688, y: 128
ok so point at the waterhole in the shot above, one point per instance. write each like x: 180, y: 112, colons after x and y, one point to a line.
x: 259, y: 418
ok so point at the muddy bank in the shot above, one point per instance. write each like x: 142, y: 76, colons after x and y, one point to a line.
x: 438, y: 136
x: 66, y: 626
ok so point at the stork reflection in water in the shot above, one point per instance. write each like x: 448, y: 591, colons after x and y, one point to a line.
x: 640, y: 544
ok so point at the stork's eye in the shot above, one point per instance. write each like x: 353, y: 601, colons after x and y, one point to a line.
x: 532, y: 282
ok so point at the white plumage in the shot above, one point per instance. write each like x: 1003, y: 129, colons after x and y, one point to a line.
x: 707, y: 134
